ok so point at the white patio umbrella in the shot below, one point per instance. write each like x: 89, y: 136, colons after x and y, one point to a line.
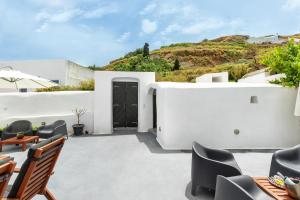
x: 12, y: 79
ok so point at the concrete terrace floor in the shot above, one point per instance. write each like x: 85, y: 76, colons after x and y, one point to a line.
x: 128, y: 167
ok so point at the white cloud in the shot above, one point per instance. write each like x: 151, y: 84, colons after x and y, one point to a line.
x: 171, y: 28
x: 42, y: 28
x: 125, y: 36
x: 203, y: 25
x: 59, y: 17
x: 291, y: 4
x: 149, y: 26
x: 149, y: 8
x: 101, y: 11
x: 65, y: 15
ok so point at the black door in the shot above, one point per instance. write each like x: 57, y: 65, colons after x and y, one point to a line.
x: 125, y: 104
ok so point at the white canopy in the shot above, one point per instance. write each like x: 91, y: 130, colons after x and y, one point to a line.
x: 11, y: 79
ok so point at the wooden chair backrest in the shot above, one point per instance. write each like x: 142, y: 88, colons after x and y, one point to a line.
x: 40, y: 169
x: 6, y: 170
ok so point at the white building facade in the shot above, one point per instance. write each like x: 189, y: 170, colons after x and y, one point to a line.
x: 218, y: 115
x: 64, y: 72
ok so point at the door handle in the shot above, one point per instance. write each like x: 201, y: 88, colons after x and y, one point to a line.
x: 134, y: 104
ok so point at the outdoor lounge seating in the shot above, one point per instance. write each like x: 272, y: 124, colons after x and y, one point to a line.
x: 58, y: 127
x: 208, y: 163
x: 287, y: 162
x: 7, y: 166
x: 36, y: 170
x: 23, y: 126
x: 239, y: 188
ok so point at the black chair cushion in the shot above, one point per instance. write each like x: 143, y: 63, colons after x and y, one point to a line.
x: 15, y: 187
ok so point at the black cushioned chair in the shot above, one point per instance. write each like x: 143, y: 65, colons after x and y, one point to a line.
x: 23, y: 126
x: 57, y: 128
x: 287, y: 162
x: 208, y: 163
x: 239, y: 188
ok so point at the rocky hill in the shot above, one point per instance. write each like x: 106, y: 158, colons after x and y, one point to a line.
x: 228, y: 53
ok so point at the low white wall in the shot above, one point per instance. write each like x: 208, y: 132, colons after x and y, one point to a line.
x: 46, y: 107
x: 103, y: 119
x: 210, y: 116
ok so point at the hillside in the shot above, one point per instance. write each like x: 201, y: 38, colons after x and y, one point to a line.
x: 229, y: 53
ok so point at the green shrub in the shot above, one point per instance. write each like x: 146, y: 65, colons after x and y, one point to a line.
x: 144, y: 64
x: 285, y: 60
x: 134, y: 53
x: 238, y: 71
x: 87, y: 85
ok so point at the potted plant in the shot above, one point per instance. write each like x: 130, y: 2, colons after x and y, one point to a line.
x: 78, y: 128
x: 1, y: 130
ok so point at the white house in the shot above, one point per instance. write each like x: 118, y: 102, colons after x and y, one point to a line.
x: 244, y: 115
x: 64, y: 72
x: 226, y: 115
x: 274, y: 39
x: 221, y: 115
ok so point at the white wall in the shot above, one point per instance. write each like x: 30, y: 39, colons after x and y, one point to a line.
x: 213, y: 77
x: 46, y: 107
x: 49, y: 69
x: 103, y: 118
x: 67, y: 72
x: 263, y: 77
x: 77, y: 73
x: 209, y: 115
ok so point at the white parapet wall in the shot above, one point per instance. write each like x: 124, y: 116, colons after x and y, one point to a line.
x: 48, y: 107
x: 231, y: 115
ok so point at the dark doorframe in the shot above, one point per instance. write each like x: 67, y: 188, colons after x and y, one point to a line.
x: 125, y: 104
x: 154, y: 110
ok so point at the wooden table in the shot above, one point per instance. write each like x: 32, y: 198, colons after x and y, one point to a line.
x: 275, y: 192
x: 23, y: 141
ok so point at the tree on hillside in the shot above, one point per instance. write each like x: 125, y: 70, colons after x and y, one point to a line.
x: 92, y: 67
x: 176, y: 64
x: 285, y: 60
x: 146, y: 50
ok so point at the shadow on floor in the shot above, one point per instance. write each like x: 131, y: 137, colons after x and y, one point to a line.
x: 151, y: 143
x: 201, y: 194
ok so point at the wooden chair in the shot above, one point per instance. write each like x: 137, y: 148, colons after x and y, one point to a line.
x: 36, y: 170
x: 7, y: 166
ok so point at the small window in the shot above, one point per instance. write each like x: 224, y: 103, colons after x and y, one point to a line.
x: 55, y: 81
x: 253, y: 99
x: 23, y: 90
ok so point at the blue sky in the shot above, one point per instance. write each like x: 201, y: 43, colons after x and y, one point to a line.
x: 97, y: 31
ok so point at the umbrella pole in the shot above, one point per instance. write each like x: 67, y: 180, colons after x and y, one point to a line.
x: 16, y: 85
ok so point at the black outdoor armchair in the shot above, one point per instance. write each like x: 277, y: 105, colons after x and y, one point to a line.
x: 239, y: 188
x: 207, y: 164
x: 59, y: 127
x: 23, y: 126
x: 287, y: 162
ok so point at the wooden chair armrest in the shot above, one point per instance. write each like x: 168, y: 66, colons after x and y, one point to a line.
x: 17, y: 170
